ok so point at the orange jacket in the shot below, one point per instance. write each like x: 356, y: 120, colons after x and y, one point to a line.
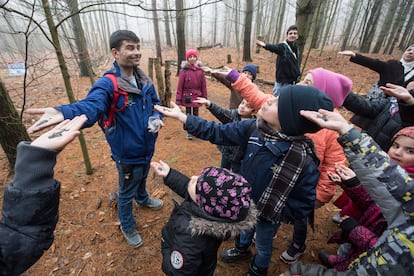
x: 329, y: 152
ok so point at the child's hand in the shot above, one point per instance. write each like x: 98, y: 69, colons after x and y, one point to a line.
x: 201, y: 100
x: 60, y: 135
x: 344, y: 172
x: 161, y: 168
x: 174, y: 111
x: 347, y: 53
x: 334, y: 177
x: 327, y: 119
x: 399, y: 92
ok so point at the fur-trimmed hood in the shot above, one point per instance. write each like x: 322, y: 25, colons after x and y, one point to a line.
x: 223, y: 229
x: 186, y: 65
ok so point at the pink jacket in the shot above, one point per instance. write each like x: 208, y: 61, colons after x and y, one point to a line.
x: 191, y: 84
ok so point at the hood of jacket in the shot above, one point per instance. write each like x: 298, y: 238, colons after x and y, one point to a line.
x: 186, y: 65
x: 222, y: 229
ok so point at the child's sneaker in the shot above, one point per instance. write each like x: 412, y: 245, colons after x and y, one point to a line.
x: 292, y: 254
x: 132, y: 237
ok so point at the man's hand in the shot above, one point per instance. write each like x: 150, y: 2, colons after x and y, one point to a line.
x: 327, y: 119
x: 61, y: 135
x: 161, y: 168
x: 50, y: 117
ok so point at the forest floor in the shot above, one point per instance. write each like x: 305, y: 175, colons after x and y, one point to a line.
x: 87, y: 238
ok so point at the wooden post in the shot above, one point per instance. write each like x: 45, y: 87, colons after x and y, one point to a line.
x: 150, y: 66
x: 229, y: 59
x: 166, y: 98
x: 159, y: 76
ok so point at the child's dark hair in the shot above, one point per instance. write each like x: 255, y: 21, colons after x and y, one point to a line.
x: 291, y: 28
x: 115, y: 41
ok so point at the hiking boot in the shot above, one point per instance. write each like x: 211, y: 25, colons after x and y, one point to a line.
x: 132, y: 237
x: 323, y: 256
x: 292, y: 254
x: 153, y: 203
x: 189, y: 136
x: 256, y: 271
x: 234, y: 254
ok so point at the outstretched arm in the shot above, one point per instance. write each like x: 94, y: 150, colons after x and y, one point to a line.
x: 174, y: 112
x: 50, y: 116
x: 30, y: 205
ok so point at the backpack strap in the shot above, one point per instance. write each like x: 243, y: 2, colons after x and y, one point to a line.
x: 111, y: 114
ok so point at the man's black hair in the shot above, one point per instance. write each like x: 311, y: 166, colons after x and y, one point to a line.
x: 291, y: 28
x: 115, y: 41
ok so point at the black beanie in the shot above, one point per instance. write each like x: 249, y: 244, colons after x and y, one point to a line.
x: 293, y: 99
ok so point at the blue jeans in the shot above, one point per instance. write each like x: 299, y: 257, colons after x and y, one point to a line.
x: 300, y: 230
x: 264, y: 238
x: 132, y: 186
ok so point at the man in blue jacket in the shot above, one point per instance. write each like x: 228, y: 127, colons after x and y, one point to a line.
x: 129, y: 134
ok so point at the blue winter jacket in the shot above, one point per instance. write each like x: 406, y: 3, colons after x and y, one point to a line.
x: 258, y: 163
x: 128, y: 136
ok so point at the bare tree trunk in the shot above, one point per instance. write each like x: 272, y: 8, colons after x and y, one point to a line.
x: 247, y: 31
x: 158, y: 75
x: 350, y: 25
x: 12, y: 129
x: 406, y: 38
x: 156, y: 30
x: 329, y: 25
x: 237, y: 24
x: 165, y: 97
x: 279, y: 33
x: 317, y: 24
x: 200, y: 32
x: 66, y: 76
x: 226, y: 28
x: 369, y: 33
x: 397, y: 27
x: 385, y: 29
x: 180, y: 22
x: 305, y: 9
x: 259, y: 14
x: 167, y: 24
x: 84, y: 61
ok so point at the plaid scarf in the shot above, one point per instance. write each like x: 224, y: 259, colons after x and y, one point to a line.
x: 285, y: 176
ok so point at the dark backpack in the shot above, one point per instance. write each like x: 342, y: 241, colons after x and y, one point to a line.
x: 108, y: 119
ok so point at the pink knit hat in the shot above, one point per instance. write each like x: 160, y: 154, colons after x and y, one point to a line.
x: 191, y: 52
x: 336, y: 86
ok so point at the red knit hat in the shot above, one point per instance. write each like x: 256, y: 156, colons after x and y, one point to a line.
x: 334, y: 85
x: 190, y: 53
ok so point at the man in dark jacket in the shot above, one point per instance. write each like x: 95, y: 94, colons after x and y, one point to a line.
x: 30, y: 205
x: 287, y: 62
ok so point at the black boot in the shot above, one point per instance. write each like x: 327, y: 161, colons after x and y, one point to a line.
x: 256, y: 271
x: 323, y: 256
x: 235, y: 253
